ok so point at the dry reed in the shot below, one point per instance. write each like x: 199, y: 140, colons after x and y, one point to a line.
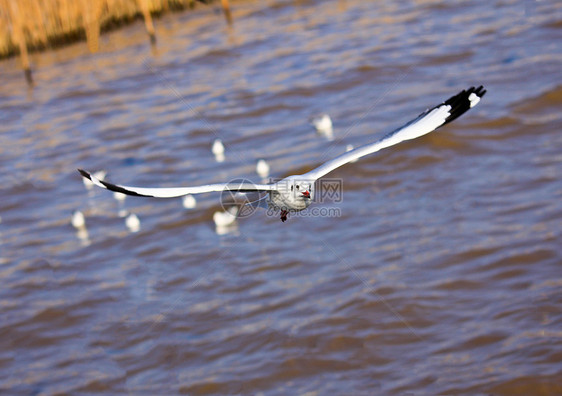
x: 39, y: 24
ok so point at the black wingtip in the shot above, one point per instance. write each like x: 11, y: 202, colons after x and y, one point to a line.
x: 84, y: 174
x: 111, y: 186
x: 461, y: 103
x: 116, y: 188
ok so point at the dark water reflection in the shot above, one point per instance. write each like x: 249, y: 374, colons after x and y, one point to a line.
x: 441, y: 276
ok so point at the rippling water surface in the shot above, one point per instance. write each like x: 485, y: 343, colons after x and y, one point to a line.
x: 441, y: 273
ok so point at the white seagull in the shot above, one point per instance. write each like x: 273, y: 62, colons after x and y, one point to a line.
x: 262, y: 168
x: 295, y: 193
x: 323, y: 123
x: 218, y: 150
x: 189, y: 201
x: 349, y: 147
x: 324, y: 126
x: 132, y: 222
x: 78, y: 220
x: 226, y: 218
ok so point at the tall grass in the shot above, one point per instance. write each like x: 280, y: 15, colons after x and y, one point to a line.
x: 39, y: 24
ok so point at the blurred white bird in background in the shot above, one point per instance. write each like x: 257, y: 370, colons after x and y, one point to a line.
x: 324, y: 126
x: 225, y: 218
x: 349, y: 147
x: 262, y: 168
x: 120, y: 198
x: 132, y: 222
x: 78, y: 221
x: 100, y: 175
x: 225, y: 222
x: 189, y: 201
x: 218, y: 150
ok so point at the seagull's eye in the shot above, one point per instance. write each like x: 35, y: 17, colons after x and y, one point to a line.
x: 297, y: 186
x: 291, y: 188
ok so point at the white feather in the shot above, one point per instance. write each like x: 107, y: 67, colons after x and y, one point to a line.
x: 422, y: 125
x: 179, y: 191
x: 474, y: 99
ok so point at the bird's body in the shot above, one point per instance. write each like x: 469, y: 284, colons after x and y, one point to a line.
x: 296, y: 192
x: 292, y: 193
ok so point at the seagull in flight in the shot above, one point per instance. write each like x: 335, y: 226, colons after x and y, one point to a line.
x: 295, y: 193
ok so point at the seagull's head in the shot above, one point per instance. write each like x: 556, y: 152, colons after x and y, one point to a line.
x: 302, y: 190
x: 295, y: 192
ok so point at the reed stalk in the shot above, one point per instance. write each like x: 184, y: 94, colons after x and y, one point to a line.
x: 227, y: 13
x: 145, y: 8
x: 17, y: 22
x: 91, y: 12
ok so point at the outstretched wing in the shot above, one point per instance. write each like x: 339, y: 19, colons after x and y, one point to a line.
x: 426, y: 122
x: 177, y: 191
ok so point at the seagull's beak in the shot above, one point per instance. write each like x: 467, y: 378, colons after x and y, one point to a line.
x: 306, y: 194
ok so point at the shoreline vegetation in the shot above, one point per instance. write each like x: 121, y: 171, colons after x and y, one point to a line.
x: 38, y: 25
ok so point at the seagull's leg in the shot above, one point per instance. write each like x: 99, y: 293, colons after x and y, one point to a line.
x: 284, y: 215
